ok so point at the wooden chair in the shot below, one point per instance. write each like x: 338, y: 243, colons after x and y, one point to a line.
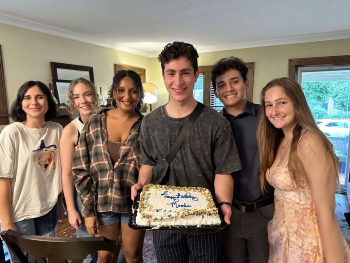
x: 57, y: 249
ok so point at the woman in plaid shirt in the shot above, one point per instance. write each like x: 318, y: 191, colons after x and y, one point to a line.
x: 106, y: 165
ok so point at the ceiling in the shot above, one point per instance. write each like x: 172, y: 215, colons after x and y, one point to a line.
x: 143, y: 27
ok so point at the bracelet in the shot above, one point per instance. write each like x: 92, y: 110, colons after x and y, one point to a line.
x: 224, y: 203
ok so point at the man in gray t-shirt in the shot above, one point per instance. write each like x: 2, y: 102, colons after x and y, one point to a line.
x: 205, y: 152
x: 207, y: 157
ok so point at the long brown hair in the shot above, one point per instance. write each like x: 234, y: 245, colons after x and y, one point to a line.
x: 269, y: 137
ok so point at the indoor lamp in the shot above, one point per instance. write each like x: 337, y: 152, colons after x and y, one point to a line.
x: 151, y: 93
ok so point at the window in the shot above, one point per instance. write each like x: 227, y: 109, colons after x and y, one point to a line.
x: 215, y: 103
x: 326, y: 84
x: 203, y: 90
x: 198, y: 91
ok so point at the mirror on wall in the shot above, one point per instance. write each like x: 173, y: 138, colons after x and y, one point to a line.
x: 61, y: 71
x: 62, y: 74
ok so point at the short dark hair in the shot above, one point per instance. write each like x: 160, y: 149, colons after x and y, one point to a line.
x: 226, y: 64
x: 176, y: 50
x: 137, y: 81
x: 18, y: 114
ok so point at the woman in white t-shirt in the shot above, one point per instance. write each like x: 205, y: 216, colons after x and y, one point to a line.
x: 30, y: 174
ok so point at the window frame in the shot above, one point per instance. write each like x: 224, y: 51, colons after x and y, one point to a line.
x: 295, y: 63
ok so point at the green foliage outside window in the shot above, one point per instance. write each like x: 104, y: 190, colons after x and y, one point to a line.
x: 318, y: 96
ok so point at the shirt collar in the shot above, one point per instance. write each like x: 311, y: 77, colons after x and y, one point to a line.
x: 249, y: 109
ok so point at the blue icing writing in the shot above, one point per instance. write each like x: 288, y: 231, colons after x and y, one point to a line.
x: 177, y: 198
x: 176, y: 205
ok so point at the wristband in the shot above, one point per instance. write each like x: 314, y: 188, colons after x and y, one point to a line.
x: 224, y: 203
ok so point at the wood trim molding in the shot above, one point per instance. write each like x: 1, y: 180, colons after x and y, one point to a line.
x: 4, y: 115
x: 294, y: 63
x: 250, y: 78
x: 206, y: 71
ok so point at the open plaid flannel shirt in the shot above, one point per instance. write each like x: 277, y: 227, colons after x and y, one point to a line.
x: 102, y: 186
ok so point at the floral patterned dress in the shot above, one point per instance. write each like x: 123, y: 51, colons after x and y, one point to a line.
x: 293, y: 232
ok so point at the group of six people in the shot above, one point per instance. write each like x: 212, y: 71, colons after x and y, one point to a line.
x: 271, y: 171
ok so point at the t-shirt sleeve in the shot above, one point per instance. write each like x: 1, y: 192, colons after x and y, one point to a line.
x: 8, y: 148
x: 226, y: 158
x: 145, y: 154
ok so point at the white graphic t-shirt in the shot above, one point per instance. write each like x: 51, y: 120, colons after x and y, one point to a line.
x: 29, y: 158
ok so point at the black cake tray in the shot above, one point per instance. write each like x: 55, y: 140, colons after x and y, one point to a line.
x: 191, y: 229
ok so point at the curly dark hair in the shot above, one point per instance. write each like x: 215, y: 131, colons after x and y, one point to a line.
x: 137, y: 81
x: 176, y: 50
x: 225, y: 64
x: 18, y: 114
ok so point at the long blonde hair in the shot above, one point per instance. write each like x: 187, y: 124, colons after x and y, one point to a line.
x: 92, y: 88
x: 269, y: 137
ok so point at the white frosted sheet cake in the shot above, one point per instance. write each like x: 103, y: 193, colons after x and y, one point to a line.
x: 162, y: 206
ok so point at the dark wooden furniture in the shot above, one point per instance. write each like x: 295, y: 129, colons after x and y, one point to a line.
x: 57, y: 249
x: 4, y: 115
x: 63, y: 117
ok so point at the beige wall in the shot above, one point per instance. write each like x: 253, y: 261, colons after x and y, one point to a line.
x: 270, y: 62
x: 27, y: 55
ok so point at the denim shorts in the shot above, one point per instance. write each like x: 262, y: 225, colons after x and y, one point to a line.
x: 42, y: 226
x: 110, y: 218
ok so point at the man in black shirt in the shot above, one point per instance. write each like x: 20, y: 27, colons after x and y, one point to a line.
x: 245, y: 239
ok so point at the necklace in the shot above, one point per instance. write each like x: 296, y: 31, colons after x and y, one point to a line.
x: 283, y: 147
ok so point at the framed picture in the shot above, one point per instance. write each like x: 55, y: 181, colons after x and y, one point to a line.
x: 61, y: 88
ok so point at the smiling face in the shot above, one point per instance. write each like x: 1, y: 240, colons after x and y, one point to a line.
x: 279, y: 109
x: 83, y: 99
x: 35, y: 104
x: 179, y: 79
x: 231, y: 88
x: 126, y: 95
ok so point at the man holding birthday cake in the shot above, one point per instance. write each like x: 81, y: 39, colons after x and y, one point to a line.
x: 206, y: 158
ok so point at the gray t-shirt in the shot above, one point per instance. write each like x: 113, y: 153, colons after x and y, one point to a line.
x: 209, y: 149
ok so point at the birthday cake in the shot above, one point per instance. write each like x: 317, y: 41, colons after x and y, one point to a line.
x: 171, y: 206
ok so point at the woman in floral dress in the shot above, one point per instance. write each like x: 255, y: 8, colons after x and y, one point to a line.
x: 298, y: 160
